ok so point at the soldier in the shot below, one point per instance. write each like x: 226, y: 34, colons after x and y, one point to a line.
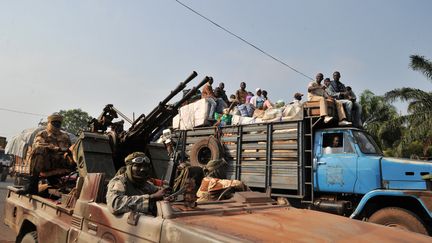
x: 48, y: 155
x: 214, y: 186
x: 132, y: 191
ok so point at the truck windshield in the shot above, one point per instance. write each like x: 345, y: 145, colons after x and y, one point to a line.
x: 366, y: 143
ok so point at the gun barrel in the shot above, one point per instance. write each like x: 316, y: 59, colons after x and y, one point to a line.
x: 192, y: 92
x: 122, y: 115
x: 174, y: 92
x: 180, y: 87
x: 149, y: 123
x: 166, y: 117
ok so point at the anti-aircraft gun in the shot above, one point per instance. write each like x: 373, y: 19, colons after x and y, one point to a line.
x: 101, y: 150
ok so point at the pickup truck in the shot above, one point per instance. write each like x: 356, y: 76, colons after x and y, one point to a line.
x: 302, y: 166
x: 83, y: 216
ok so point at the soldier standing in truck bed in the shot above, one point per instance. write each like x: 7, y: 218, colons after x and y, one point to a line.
x: 48, y: 155
x: 132, y: 190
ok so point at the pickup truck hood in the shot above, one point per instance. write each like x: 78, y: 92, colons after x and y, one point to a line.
x: 280, y: 225
x: 404, y: 174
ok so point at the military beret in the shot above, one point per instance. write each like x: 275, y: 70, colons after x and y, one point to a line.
x: 136, y: 158
x: 55, y: 117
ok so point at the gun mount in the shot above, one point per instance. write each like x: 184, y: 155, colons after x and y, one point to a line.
x: 144, y: 129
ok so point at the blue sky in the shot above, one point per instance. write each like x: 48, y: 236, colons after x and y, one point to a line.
x: 85, y: 54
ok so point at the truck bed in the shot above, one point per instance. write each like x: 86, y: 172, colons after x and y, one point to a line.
x: 260, y: 155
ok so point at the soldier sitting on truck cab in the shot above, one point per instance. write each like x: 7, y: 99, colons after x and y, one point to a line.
x: 132, y: 190
x: 48, y: 156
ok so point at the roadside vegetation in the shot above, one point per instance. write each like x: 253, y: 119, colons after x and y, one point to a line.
x: 74, y: 120
x: 407, y: 136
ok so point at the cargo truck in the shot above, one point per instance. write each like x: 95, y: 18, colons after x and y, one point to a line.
x: 310, y: 164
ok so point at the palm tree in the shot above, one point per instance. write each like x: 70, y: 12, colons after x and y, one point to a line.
x: 418, y: 120
x: 377, y: 117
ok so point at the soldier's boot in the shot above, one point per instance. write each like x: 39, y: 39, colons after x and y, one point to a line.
x: 31, y: 186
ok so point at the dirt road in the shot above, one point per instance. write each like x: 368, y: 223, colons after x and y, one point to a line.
x: 6, y: 234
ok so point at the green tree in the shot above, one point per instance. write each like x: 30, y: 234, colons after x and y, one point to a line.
x: 75, y: 120
x: 418, y: 120
x: 377, y: 116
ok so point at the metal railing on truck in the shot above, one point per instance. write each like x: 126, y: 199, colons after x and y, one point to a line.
x: 268, y: 155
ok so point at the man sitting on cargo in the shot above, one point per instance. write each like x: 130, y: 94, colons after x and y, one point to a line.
x: 317, y: 92
x: 221, y: 93
x: 132, y: 190
x: 48, y: 155
x: 215, y: 104
x: 297, y: 99
x: 267, y: 102
x: 257, y: 102
x: 337, y: 90
x: 243, y: 106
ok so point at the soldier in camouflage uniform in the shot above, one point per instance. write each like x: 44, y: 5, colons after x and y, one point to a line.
x: 215, y: 186
x: 48, y: 154
x: 132, y: 190
x: 50, y: 147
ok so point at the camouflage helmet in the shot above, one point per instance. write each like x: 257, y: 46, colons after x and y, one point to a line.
x: 216, y: 168
x: 55, y: 117
x: 136, y: 158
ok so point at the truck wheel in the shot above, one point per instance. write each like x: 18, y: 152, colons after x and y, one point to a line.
x: 4, y: 174
x: 30, y: 237
x: 205, y: 150
x: 398, y: 218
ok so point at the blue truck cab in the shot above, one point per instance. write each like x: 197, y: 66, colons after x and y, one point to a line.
x: 351, y: 170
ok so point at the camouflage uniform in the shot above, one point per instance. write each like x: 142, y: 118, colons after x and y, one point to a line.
x: 126, y: 192
x: 49, y: 147
x: 214, y: 184
x: 47, y: 152
x: 124, y: 196
x: 212, y: 188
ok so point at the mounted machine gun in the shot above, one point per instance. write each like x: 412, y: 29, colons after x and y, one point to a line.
x: 118, y: 143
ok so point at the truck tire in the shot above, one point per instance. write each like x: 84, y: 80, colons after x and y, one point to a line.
x: 205, y: 150
x: 4, y: 173
x: 399, y: 218
x: 30, y: 237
